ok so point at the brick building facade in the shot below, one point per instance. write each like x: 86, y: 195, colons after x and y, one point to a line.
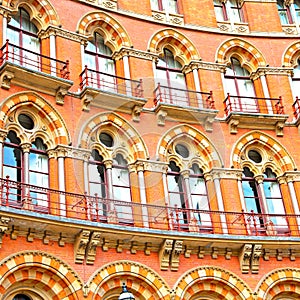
x: 150, y: 143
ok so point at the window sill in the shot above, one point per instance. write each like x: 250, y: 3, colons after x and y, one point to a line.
x: 164, y: 17
x: 290, y: 29
x: 227, y: 26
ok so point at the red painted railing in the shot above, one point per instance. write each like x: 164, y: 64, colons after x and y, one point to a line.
x: 256, y: 105
x: 183, y: 97
x: 23, y: 197
x: 34, y: 61
x: 296, y: 107
x: 111, y: 83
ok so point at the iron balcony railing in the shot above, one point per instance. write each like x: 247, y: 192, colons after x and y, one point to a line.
x: 19, y: 196
x: 183, y: 97
x: 296, y: 107
x: 34, y: 61
x: 255, y: 105
x: 111, y: 83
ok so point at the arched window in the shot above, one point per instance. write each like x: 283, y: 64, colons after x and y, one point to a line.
x: 262, y: 195
x: 240, y: 87
x: 121, y: 188
x: 228, y: 10
x: 26, y: 167
x: 98, y: 59
x: 189, y: 195
x: 171, y: 78
x: 22, y: 33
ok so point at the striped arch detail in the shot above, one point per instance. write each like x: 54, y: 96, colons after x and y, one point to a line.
x: 51, y: 119
x: 206, y: 149
x: 285, y: 281
x: 49, y: 274
x: 118, y: 35
x: 228, y: 285
x: 139, y: 279
x: 281, y: 156
x: 102, y: 120
x: 179, y: 41
x: 291, y: 54
x: 251, y: 55
x: 42, y: 8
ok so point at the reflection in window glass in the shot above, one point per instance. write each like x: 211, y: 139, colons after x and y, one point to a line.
x: 199, y: 195
x: 121, y: 187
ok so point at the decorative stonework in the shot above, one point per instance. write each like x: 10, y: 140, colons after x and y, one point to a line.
x: 5, y: 79
x: 44, y: 266
x: 104, y: 280
x: 80, y: 245
x: 194, y: 282
x: 244, y: 258
x: 177, y: 249
x: 249, y: 258
x: 94, y: 242
x: 164, y: 254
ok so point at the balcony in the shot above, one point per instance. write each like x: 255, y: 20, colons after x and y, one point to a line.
x: 33, y: 70
x: 184, y: 105
x: 110, y: 91
x: 79, y: 220
x: 43, y: 202
x: 254, y: 113
x: 296, y: 108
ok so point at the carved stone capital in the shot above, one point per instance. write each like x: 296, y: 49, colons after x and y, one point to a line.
x: 205, y: 66
x: 145, y: 55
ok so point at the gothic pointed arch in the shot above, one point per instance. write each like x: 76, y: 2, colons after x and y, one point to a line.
x: 248, y: 55
x: 211, y: 280
x: 180, y: 45
x: 123, y: 133
x: 142, y: 281
x: 48, y: 122
x: 280, y: 283
x: 203, y: 148
x: 115, y: 35
x: 275, y: 155
x: 291, y: 55
x: 52, y: 277
x: 42, y: 12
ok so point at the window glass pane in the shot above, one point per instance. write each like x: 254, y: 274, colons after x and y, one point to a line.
x: 235, y: 11
x: 282, y: 12
x: 172, y: 6
x: 219, y: 10
x: 154, y: 4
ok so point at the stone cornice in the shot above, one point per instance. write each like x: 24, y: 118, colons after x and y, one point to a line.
x: 51, y: 30
x: 205, y: 66
x: 271, y: 71
x: 292, y: 176
x: 135, y: 53
x: 218, y: 173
